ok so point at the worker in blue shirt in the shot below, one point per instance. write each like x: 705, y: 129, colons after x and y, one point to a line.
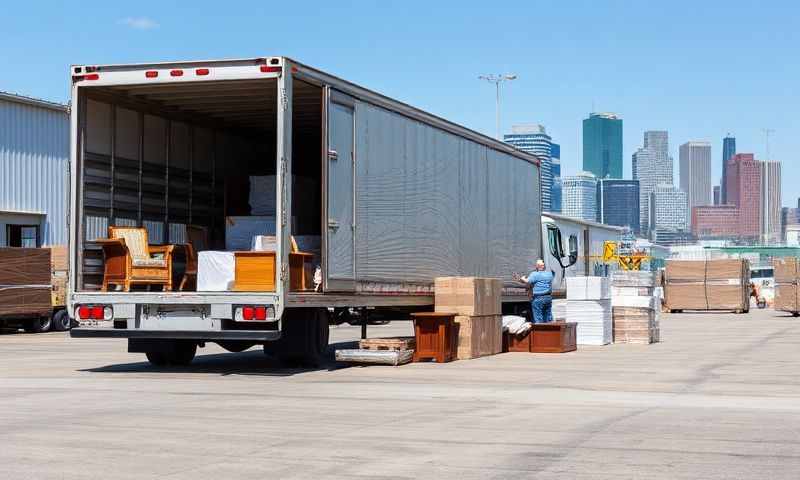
x: 541, y: 283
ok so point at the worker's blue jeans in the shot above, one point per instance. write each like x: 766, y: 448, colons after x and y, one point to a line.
x: 542, y: 306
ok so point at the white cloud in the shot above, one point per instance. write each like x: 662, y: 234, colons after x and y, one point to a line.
x: 139, y: 23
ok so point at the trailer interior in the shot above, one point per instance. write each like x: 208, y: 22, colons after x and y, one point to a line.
x: 195, y: 164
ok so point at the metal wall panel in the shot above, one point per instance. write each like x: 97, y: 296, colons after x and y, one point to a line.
x: 432, y: 203
x: 34, y: 155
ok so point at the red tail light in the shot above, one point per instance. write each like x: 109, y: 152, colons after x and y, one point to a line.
x: 97, y: 313
x: 201, y: 71
x: 92, y: 76
x: 151, y: 74
x: 247, y: 313
x: 176, y: 73
x: 261, y: 313
x: 268, y: 69
x: 84, y: 311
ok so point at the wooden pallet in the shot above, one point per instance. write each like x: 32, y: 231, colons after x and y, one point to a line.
x: 393, y: 343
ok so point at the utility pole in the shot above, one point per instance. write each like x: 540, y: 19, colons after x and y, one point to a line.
x: 497, y: 80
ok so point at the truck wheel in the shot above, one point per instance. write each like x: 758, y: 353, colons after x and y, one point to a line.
x: 61, y: 321
x: 304, y: 337
x: 172, y: 352
x: 38, y: 325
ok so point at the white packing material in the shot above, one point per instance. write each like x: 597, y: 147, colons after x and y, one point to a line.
x: 378, y: 357
x: 595, y: 325
x: 240, y: 230
x: 262, y: 195
x: 588, y: 288
x: 633, y: 301
x: 215, y: 271
x: 515, y: 324
x: 265, y: 243
x: 631, y: 291
x: 559, y: 309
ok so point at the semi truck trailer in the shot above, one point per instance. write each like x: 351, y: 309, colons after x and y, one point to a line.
x: 376, y: 196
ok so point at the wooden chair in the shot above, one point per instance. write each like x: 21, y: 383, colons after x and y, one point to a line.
x: 128, y: 259
x: 197, y: 241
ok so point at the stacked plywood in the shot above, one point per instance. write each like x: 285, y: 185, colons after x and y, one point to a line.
x: 477, y: 304
x: 25, y: 287
x: 786, y: 284
x: 58, y: 265
x: 635, y: 309
x: 708, y: 285
x: 589, y: 305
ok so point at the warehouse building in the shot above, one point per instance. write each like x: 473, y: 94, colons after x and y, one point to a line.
x: 34, y: 158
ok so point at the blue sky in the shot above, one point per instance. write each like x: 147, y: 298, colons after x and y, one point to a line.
x: 696, y: 69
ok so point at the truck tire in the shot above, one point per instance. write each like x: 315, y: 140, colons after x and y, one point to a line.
x: 61, y: 321
x: 304, y: 337
x: 38, y: 325
x: 172, y: 352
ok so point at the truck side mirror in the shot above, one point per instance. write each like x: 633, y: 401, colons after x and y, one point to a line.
x: 554, y: 242
x: 573, y: 249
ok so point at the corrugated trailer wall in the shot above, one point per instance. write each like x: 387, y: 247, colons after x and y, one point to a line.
x: 34, y: 156
x: 431, y: 203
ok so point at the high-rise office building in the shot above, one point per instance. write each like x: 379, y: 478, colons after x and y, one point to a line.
x: 533, y: 138
x: 744, y: 192
x: 652, y: 166
x: 770, y: 200
x: 555, y: 168
x: 668, y: 208
x: 579, y: 196
x: 715, y: 222
x: 695, y: 174
x: 602, y: 145
x: 618, y: 203
x: 728, y: 150
x: 717, y: 195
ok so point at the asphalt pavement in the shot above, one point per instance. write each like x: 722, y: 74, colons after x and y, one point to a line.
x: 719, y: 398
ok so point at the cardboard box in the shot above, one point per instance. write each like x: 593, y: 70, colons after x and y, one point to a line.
x: 471, y: 296
x: 479, y: 336
x: 26, y: 279
x: 635, y: 325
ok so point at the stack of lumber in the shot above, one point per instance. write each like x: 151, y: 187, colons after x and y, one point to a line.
x: 786, y: 288
x: 25, y: 287
x: 707, y: 285
x: 379, y: 351
x: 589, y: 305
x: 476, y: 302
x: 635, y: 308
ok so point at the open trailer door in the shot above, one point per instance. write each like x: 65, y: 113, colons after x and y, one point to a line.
x: 340, y: 234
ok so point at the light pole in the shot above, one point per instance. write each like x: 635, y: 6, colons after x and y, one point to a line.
x: 497, y: 80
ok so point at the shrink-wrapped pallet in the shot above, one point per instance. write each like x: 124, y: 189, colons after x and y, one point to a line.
x: 708, y: 285
x: 786, y: 284
x: 588, y: 288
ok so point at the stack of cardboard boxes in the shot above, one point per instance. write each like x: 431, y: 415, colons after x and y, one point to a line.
x: 786, y: 288
x: 635, y: 308
x: 477, y: 304
x: 708, y: 285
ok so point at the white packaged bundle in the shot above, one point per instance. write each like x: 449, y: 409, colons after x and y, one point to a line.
x: 588, y: 288
x: 594, y: 321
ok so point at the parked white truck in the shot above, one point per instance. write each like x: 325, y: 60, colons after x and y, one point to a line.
x: 383, y: 196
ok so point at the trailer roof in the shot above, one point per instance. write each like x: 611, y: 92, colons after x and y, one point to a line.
x: 352, y: 89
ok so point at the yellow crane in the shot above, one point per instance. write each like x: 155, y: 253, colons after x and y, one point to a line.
x: 626, y: 261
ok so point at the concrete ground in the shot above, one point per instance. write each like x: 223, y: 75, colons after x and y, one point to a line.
x: 719, y: 398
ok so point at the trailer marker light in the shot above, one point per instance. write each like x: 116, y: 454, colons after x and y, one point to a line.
x: 176, y: 73
x: 261, y: 313
x: 268, y: 69
x: 151, y: 74
x: 92, y: 76
x: 247, y: 313
x: 201, y: 71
